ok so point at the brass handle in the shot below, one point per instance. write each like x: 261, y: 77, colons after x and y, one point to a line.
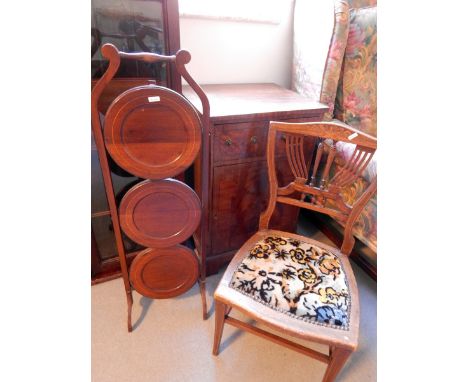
x: 228, y: 142
x: 283, y: 138
x: 253, y: 139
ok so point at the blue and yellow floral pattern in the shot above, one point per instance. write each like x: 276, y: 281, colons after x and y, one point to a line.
x: 294, y: 277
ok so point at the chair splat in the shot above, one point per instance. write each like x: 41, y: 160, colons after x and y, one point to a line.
x: 353, y: 168
x: 295, y: 155
x: 322, y: 191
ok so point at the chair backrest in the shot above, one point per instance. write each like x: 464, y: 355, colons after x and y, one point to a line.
x: 317, y: 187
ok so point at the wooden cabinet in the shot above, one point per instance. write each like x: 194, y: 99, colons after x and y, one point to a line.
x: 238, y: 199
x: 240, y: 116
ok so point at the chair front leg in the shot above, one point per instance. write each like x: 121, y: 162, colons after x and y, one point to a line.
x: 339, y: 356
x: 220, y: 314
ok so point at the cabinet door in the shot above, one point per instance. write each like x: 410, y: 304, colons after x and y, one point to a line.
x: 240, y: 194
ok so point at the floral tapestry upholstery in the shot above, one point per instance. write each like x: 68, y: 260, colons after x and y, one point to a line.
x: 297, y: 278
x: 356, y: 100
x: 356, y: 105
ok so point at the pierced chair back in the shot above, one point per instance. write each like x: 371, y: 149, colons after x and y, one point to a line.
x: 318, y: 187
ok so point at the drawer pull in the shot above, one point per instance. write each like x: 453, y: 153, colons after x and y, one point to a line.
x: 253, y: 139
x: 228, y: 142
x: 283, y: 138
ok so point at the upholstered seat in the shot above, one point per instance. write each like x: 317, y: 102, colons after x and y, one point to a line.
x: 297, y: 278
x: 319, y: 313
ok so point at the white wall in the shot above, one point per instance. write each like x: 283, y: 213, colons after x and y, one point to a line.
x: 226, y: 51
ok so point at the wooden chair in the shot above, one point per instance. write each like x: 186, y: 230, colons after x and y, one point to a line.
x: 291, y: 283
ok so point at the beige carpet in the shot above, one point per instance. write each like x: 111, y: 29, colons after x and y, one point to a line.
x: 172, y: 343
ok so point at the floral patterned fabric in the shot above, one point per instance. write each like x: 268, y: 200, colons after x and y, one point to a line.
x: 356, y: 101
x: 297, y: 278
x: 356, y: 105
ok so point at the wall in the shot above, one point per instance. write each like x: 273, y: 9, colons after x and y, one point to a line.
x: 225, y: 51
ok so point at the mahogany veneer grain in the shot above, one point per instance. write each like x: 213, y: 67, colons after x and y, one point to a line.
x: 164, y: 272
x: 160, y: 213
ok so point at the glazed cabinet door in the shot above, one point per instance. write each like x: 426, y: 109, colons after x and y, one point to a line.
x: 136, y: 26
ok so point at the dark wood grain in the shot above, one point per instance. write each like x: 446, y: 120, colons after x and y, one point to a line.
x: 240, y: 194
x: 164, y: 272
x: 240, y: 140
x: 160, y: 213
x: 152, y: 132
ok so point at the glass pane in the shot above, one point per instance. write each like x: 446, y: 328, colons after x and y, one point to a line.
x: 105, y: 239
x: 121, y: 180
x: 98, y: 192
x: 132, y: 26
x: 101, y: 221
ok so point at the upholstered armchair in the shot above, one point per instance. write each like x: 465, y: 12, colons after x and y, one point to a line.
x: 339, y: 68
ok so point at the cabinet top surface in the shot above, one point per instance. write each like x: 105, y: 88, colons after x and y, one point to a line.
x: 227, y: 100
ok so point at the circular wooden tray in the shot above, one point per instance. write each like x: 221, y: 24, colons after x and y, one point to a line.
x: 160, y: 213
x: 164, y: 272
x: 152, y: 132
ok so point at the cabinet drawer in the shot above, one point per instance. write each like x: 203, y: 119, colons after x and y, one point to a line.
x: 237, y: 141
x: 240, y: 141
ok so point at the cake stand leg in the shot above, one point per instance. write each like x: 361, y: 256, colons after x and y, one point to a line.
x: 201, y: 283
x: 129, y: 307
